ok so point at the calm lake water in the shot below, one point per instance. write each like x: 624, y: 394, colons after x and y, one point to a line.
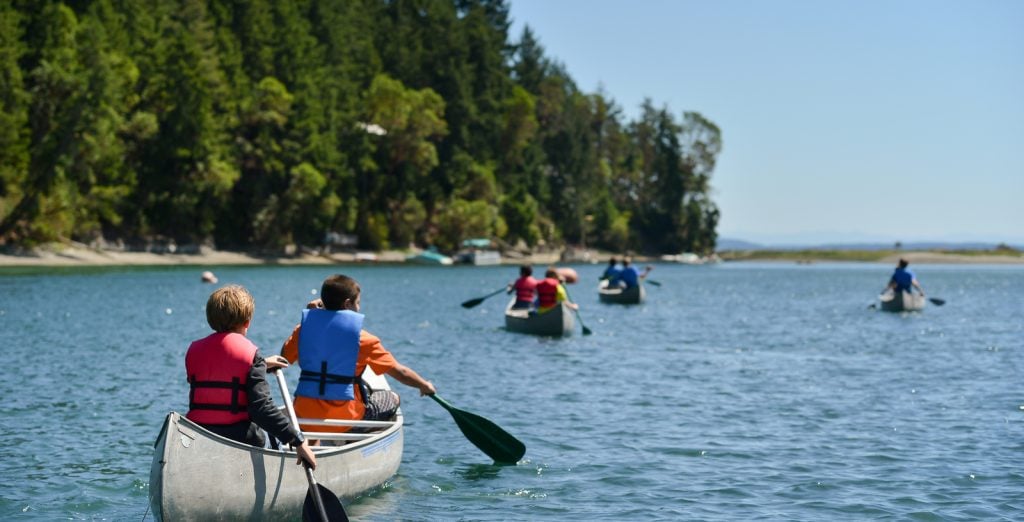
x: 736, y: 392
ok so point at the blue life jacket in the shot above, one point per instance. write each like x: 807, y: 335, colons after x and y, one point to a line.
x: 903, y: 278
x: 611, y: 273
x: 630, y: 276
x: 328, y: 352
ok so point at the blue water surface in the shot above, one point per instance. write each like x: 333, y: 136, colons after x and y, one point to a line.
x: 736, y: 392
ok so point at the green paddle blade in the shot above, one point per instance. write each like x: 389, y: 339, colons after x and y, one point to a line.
x: 486, y: 435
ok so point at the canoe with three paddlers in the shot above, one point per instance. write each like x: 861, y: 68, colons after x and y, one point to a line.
x: 554, y: 323
x: 609, y: 293
x: 901, y: 301
x: 198, y: 475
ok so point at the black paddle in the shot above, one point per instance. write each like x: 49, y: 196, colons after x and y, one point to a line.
x: 586, y: 331
x: 473, y: 302
x: 936, y: 301
x: 321, y: 503
x: 653, y: 282
x: 495, y: 442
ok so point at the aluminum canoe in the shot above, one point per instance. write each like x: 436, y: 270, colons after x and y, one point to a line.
x: 198, y: 475
x: 901, y: 301
x: 615, y: 294
x: 553, y: 323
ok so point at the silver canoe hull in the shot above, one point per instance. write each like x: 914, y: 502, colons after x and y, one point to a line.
x: 632, y: 295
x: 901, y: 302
x: 198, y: 475
x: 554, y: 323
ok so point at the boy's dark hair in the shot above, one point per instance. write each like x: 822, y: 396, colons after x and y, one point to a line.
x: 337, y: 289
x: 525, y: 270
x: 551, y: 272
x: 903, y: 263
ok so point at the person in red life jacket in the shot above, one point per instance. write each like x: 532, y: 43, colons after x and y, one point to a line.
x: 227, y: 376
x: 333, y: 350
x: 525, y: 288
x: 550, y: 292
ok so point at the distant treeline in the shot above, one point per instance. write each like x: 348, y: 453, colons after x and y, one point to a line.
x: 258, y: 124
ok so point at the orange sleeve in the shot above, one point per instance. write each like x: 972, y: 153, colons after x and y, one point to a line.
x: 290, y: 350
x: 373, y: 354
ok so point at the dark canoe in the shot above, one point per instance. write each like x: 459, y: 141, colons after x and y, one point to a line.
x: 634, y: 295
x: 901, y: 302
x: 553, y: 323
x: 198, y: 475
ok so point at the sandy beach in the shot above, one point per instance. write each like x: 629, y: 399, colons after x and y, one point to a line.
x: 80, y: 255
x: 76, y: 254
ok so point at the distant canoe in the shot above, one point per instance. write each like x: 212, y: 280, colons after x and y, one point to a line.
x: 901, y: 302
x: 615, y: 294
x: 553, y: 323
x: 198, y: 475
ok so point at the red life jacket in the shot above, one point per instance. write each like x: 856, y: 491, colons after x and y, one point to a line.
x: 547, y: 292
x: 525, y: 287
x: 218, y: 369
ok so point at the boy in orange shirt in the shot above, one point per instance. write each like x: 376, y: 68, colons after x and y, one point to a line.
x: 333, y: 350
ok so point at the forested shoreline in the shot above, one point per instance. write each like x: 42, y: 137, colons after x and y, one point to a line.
x: 262, y: 125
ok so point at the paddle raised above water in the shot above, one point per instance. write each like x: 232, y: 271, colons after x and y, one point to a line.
x: 321, y: 504
x: 495, y: 442
x: 473, y: 302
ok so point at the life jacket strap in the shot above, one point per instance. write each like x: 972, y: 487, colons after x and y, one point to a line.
x: 235, y: 386
x: 323, y: 378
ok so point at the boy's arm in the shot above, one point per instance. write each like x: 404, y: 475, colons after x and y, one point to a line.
x: 290, y: 349
x: 409, y: 377
x: 261, y: 405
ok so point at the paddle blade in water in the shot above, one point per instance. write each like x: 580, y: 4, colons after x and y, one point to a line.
x: 335, y: 511
x: 936, y: 301
x: 653, y: 282
x: 495, y: 442
x: 586, y: 331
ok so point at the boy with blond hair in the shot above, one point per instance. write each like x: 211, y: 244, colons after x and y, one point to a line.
x: 228, y: 390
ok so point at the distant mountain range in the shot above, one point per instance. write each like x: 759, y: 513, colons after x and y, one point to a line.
x: 725, y: 243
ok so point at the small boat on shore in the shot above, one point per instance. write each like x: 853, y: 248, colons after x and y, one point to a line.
x: 619, y: 295
x: 429, y: 257
x: 553, y: 323
x: 901, y: 301
x: 198, y: 475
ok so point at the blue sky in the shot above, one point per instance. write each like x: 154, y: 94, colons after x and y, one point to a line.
x: 842, y: 121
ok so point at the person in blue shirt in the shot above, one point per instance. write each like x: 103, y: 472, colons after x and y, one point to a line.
x: 630, y: 276
x: 903, y: 279
x: 612, y: 272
